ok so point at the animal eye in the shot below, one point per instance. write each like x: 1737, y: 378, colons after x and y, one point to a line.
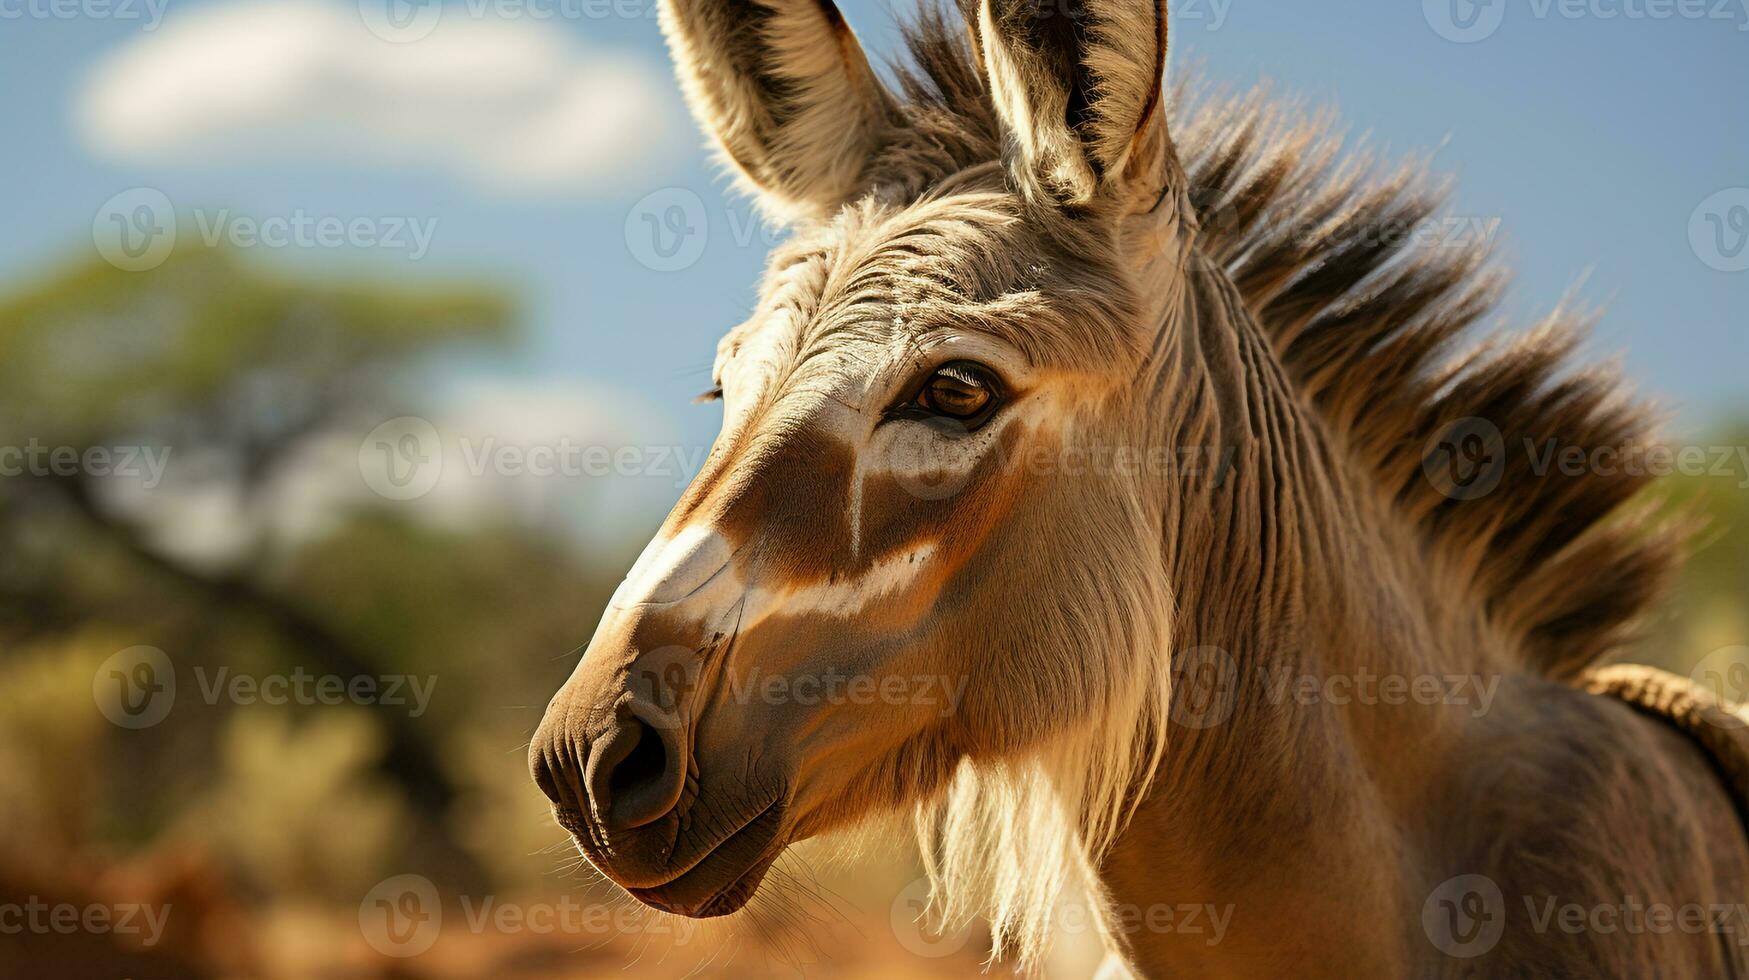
x: 713, y: 395
x: 964, y: 391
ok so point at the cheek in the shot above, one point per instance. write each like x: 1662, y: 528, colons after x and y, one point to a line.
x: 1044, y: 615
x: 920, y: 487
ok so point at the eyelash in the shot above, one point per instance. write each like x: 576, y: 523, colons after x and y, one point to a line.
x: 713, y: 395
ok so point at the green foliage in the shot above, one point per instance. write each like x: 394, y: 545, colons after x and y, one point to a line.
x: 46, y: 719
x: 1708, y: 610
x: 95, y: 350
x: 297, y: 807
x: 235, y: 366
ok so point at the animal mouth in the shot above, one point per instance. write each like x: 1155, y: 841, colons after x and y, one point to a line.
x: 723, y: 879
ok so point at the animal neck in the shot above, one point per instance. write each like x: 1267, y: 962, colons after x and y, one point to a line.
x: 1310, y: 641
x: 1277, y: 543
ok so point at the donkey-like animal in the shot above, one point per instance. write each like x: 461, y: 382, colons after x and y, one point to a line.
x: 1134, y: 428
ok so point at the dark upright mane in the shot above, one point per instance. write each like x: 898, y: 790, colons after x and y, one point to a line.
x: 1367, y: 319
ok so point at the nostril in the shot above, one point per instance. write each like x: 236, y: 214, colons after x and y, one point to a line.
x: 634, y: 775
x: 647, y: 760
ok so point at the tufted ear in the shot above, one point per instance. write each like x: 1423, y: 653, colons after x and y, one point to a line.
x: 784, y: 88
x: 1078, y: 86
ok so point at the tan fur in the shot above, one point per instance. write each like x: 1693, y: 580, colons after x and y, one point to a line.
x: 784, y: 87
x: 1021, y: 202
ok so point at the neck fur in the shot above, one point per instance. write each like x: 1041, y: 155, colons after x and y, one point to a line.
x: 1303, y: 608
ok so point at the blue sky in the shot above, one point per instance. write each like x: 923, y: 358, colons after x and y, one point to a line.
x: 1590, y: 131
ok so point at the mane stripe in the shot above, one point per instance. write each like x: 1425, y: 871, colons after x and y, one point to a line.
x: 1363, y: 324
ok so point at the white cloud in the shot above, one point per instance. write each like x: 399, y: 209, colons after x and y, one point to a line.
x: 517, y: 105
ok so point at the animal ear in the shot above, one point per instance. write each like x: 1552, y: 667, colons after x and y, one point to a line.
x: 784, y: 88
x: 1078, y: 86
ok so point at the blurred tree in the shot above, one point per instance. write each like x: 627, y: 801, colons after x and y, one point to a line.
x: 231, y: 369
x: 1708, y: 610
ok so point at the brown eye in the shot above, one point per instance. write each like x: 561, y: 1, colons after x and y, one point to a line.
x: 952, y: 396
x: 964, y: 391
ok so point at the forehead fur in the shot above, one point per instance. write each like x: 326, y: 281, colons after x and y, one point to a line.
x: 968, y: 254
